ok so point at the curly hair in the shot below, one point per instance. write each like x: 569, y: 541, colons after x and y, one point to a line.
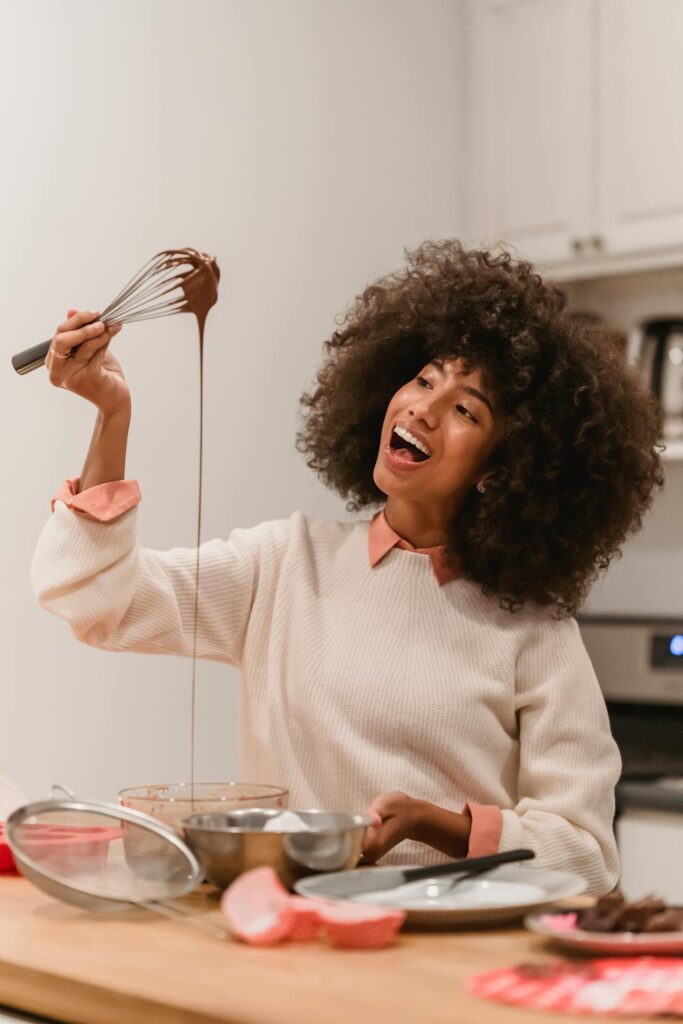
x: 578, y: 460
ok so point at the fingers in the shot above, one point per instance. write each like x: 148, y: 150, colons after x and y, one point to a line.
x: 388, y: 803
x: 396, y: 812
x: 88, y: 348
x: 380, y: 841
x: 62, y: 370
x: 75, y: 319
x: 63, y: 341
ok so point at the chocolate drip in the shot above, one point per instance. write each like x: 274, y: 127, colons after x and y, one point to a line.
x: 200, y: 288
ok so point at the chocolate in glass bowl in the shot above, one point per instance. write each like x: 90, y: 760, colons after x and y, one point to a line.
x: 172, y: 801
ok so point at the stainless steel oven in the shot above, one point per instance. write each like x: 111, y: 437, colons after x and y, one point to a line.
x: 639, y: 663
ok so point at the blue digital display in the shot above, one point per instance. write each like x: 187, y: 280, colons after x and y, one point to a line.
x: 667, y: 651
x: 676, y: 645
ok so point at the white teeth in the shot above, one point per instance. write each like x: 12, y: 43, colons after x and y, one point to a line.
x: 407, y: 436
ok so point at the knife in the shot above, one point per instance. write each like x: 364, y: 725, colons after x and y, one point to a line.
x: 375, y: 881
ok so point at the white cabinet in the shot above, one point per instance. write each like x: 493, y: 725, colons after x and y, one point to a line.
x: 640, y: 115
x: 529, y: 125
x: 574, y: 141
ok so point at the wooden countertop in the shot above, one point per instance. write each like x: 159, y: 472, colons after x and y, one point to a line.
x: 94, y: 969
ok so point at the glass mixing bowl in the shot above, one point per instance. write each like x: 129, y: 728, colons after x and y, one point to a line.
x: 170, y: 802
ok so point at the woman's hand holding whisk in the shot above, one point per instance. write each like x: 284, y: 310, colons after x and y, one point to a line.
x: 79, y: 361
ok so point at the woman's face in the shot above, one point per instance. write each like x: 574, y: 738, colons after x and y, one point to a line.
x: 450, y: 415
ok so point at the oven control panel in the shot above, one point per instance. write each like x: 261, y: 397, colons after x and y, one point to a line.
x: 667, y: 650
x: 639, y: 660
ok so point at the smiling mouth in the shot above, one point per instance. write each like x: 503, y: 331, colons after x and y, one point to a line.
x: 400, y: 444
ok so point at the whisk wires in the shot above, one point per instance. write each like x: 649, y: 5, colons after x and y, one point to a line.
x: 142, y: 298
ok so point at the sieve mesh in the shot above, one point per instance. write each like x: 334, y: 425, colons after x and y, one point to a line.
x: 103, y: 855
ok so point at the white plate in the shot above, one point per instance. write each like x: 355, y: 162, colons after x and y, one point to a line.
x: 623, y: 943
x: 506, y: 893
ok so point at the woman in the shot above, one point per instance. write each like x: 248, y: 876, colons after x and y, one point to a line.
x: 424, y: 663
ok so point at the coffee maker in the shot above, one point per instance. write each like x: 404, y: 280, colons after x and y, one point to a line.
x: 656, y: 347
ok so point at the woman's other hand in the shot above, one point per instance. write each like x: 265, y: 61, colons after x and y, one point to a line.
x: 397, y: 818
x: 79, y: 361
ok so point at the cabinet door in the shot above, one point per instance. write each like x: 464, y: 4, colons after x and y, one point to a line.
x: 641, y: 116
x: 529, y: 132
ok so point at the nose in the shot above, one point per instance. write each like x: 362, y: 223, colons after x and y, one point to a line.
x: 425, y: 409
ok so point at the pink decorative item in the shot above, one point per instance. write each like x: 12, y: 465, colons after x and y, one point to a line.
x: 261, y: 912
x: 306, y: 925
x: 362, y: 927
x: 258, y: 909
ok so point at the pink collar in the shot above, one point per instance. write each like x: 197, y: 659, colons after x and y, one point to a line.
x: 381, y: 539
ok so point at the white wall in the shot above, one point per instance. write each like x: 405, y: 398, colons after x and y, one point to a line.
x: 304, y: 144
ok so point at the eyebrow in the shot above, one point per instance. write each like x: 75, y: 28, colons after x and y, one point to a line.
x: 470, y: 391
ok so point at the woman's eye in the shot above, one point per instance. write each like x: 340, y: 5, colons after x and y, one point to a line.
x: 423, y: 382
x: 463, y: 408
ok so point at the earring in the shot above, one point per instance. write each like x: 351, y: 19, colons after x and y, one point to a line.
x: 481, y: 488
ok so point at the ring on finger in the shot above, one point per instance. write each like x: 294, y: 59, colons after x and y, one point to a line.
x: 61, y: 355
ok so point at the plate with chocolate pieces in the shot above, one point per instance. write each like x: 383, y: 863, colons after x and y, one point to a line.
x: 613, y: 925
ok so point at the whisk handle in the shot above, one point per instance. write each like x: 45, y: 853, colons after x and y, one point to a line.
x: 31, y: 358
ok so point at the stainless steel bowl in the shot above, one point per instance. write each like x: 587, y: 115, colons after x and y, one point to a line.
x: 229, y: 844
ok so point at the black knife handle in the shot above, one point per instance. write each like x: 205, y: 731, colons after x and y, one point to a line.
x: 472, y: 866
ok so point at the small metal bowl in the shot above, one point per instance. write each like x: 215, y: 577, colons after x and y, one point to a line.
x: 227, y: 845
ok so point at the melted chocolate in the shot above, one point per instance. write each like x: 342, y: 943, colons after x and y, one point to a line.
x: 200, y: 288
x: 199, y: 285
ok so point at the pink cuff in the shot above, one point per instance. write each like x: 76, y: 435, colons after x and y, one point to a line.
x: 103, y: 502
x: 487, y: 825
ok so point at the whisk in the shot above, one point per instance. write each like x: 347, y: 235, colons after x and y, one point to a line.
x: 173, y: 281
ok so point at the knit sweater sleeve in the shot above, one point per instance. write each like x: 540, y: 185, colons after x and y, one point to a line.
x: 118, y: 596
x: 569, y: 763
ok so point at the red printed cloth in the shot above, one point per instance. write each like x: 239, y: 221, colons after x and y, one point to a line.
x: 629, y: 986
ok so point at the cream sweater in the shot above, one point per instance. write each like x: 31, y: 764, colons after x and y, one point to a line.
x: 356, y: 680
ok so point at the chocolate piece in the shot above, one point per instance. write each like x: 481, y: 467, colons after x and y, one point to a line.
x: 612, y: 913
x: 603, y: 917
x: 669, y: 920
x: 611, y: 901
x: 635, y: 916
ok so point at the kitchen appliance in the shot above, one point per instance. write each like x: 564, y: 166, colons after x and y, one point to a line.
x: 656, y: 347
x: 639, y: 663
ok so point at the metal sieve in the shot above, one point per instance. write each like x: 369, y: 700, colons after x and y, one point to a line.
x: 105, y: 858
